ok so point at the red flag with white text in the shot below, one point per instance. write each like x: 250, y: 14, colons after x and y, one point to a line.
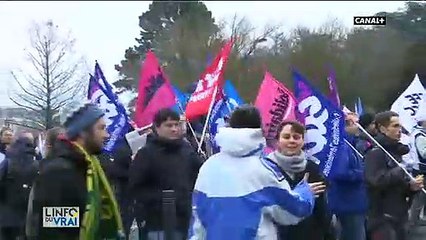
x: 201, y: 99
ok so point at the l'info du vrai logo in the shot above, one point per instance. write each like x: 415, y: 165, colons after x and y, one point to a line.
x: 61, y: 217
x: 370, y: 21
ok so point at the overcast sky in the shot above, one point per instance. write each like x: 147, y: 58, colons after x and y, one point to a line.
x: 103, y: 30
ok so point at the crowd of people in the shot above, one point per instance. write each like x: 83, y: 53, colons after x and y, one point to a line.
x: 240, y: 193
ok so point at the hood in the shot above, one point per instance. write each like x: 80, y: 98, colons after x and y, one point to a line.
x: 240, y: 141
x: 21, y: 152
x: 22, y: 146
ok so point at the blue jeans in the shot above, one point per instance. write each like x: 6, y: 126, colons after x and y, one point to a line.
x: 352, y: 226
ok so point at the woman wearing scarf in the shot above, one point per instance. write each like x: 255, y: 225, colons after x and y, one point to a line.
x: 294, y: 164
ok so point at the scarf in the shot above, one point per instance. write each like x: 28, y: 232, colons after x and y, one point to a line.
x: 101, y: 218
x: 290, y: 164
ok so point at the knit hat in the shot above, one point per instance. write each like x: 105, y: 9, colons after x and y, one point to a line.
x: 77, y: 117
x: 366, y: 119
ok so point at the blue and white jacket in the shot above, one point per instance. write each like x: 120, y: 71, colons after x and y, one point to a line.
x: 239, y: 195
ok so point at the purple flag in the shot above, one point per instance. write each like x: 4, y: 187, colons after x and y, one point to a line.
x: 324, y: 138
x: 115, y: 117
x: 333, y: 95
x: 93, y: 86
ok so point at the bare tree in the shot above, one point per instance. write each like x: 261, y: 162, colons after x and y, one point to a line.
x: 245, y: 36
x: 54, y: 79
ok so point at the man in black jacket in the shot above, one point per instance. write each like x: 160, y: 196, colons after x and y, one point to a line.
x: 74, y: 178
x: 164, y: 163
x: 21, y: 172
x: 388, y: 185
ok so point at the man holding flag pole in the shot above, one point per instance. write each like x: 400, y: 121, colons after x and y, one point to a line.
x: 388, y: 183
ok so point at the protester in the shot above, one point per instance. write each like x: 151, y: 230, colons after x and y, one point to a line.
x: 418, y: 142
x: 122, y: 156
x: 49, y: 144
x: 21, y: 171
x: 294, y: 164
x: 32, y: 220
x: 388, y: 186
x: 74, y: 177
x: 164, y: 163
x: 6, y: 139
x: 347, y: 192
x: 240, y: 195
x: 364, y: 143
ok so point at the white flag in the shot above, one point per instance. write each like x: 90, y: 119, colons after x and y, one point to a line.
x: 407, y: 104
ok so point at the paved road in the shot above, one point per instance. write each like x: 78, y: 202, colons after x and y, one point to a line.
x: 418, y: 233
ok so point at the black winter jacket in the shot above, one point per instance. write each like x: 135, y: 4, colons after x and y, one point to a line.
x: 387, y: 184
x: 17, y: 181
x: 61, y: 182
x: 163, y: 165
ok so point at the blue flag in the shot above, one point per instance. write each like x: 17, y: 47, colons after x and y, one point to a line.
x: 117, y: 122
x: 231, y: 92
x: 359, y: 109
x: 181, y: 100
x: 324, y: 138
x: 99, y: 76
x: 222, y: 110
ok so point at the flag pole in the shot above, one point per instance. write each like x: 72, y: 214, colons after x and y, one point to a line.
x: 353, y: 148
x: 190, y: 126
x: 387, y: 153
x: 203, y: 134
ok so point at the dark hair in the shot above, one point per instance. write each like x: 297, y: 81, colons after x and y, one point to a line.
x: 245, y: 116
x: 384, y: 118
x: 53, y: 134
x: 295, y: 127
x: 165, y: 114
x: 366, y: 119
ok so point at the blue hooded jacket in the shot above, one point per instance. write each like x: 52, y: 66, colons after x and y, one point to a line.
x: 347, y: 191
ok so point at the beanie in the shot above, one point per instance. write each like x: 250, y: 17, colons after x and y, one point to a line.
x: 366, y: 119
x: 81, y: 118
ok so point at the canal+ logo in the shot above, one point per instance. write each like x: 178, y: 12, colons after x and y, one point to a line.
x: 370, y: 21
x: 61, y: 217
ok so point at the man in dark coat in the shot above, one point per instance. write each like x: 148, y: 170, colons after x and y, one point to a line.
x: 74, y: 178
x: 165, y: 163
x: 21, y: 172
x: 387, y: 184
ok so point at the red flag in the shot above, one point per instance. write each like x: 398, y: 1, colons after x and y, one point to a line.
x: 155, y: 91
x: 201, y: 98
x: 276, y: 103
